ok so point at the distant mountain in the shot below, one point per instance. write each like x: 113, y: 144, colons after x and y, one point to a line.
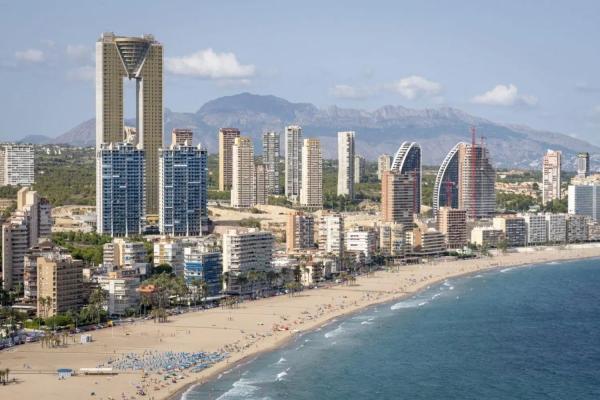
x: 380, y: 131
x: 36, y: 139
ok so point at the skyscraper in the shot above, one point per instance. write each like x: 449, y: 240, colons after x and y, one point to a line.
x: 583, y: 164
x: 140, y: 59
x: 445, y: 188
x: 551, y: 181
x: 243, y: 189
x: 346, y: 164
x: 262, y: 195
x: 453, y: 224
x: 293, y: 162
x: 270, y: 159
x: 407, y: 160
x: 183, y: 190
x: 227, y: 138
x: 477, y: 180
x: 120, y: 194
x: 360, y: 166
x: 311, y: 193
x: 16, y: 165
x: 384, y: 163
x: 397, y: 198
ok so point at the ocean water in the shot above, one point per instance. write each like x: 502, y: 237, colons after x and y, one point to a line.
x: 519, y: 333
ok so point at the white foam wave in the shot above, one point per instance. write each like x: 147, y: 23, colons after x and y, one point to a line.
x: 507, y: 269
x: 335, y: 332
x: 447, y: 284
x: 282, y: 375
x: 281, y: 361
x: 366, y: 323
x: 408, y: 304
x: 240, y: 389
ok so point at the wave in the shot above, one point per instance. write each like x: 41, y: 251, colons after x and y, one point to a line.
x: 408, y: 304
x: 281, y: 361
x: 281, y: 375
x: 366, y: 323
x: 240, y: 389
x: 507, y: 269
x: 335, y: 332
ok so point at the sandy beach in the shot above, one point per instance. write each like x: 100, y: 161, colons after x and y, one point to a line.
x: 245, y: 331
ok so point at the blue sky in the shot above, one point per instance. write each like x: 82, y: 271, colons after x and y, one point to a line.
x: 522, y: 62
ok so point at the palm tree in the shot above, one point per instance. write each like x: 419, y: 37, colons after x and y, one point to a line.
x: 242, y: 281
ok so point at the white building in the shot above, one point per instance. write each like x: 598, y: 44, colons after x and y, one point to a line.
x: 247, y: 251
x: 584, y: 200
x: 169, y: 251
x: 361, y: 239
x: 486, y: 236
x: 360, y: 169
x: 346, y: 164
x: 243, y: 184
x: 331, y: 234
x: 16, y: 165
x: 537, y: 228
x: 557, y: 228
x: 122, y: 293
x: 551, y: 181
x: 293, y: 162
x: 384, y: 163
x: 270, y: 159
x: 311, y: 192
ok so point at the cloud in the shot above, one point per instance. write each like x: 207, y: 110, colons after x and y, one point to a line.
x: 86, y: 73
x: 79, y: 52
x: 504, y: 95
x: 210, y: 65
x: 349, y: 92
x: 414, y: 87
x: 30, y: 55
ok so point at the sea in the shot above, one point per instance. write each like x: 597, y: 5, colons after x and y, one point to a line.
x: 531, y: 332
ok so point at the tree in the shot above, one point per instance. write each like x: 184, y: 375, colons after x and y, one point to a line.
x: 162, y: 269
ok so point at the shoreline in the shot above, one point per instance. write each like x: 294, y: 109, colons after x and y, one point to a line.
x: 248, y: 328
x: 178, y: 395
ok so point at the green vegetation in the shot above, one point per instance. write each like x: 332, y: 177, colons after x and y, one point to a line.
x: 557, y: 206
x: 250, y: 222
x: 66, y: 178
x: 514, y: 202
x: 82, y: 246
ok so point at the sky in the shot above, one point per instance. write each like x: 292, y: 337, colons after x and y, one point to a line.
x: 524, y: 62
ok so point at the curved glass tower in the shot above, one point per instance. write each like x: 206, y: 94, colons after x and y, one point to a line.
x: 408, y: 161
x: 447, y: 181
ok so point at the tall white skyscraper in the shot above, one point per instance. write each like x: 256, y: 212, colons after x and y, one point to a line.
x: 293, y: 162
x: 270, y: 159
x: 346, y: 164
x: 243, y: 188
x: 16, y: 165
x: 311, y: 193
x: 139, y: 59
x: 583, y: 164
x: 551, y: 181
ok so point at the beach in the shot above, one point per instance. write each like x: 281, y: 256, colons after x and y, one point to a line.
x: 243, y: 332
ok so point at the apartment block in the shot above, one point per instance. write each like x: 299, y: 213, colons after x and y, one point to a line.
x: 311, y: 192
x: 300, y: 231
x: 227, y: 138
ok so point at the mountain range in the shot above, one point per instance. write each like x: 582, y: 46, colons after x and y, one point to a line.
x: 377, y: 132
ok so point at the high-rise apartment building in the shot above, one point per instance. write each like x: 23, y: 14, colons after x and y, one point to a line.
x: 204, y: 265
x: 447, y: 182
x: 262, y: 194
x: 45, y: 247
x: 120, y: 194
x: 331, y: 234
x: 407, y: 160
x: 311, y: 192
x: 514, y: 228
x: 583, y: 165
x: 23, y: 229
x: 345, y: 185
x: 384, y: 163
x: 476, y: 181
x: 244, y: 252
x: 397, y: 198
x: 360, y: 168
x: 270, y: 158
x: 17, y: 165
x: 453, y: 224
x: 551, y: 181
x: 557, y: 227
x: 299, y: 231
x: 537, y: 228
x: 584, y: 200
x: 293, y: 162
x: 183, y: 190
x: 243, y: 188
x: 139, y: 59
x: 227, y: 138
x: 182, y: 136
x: 60, y: 280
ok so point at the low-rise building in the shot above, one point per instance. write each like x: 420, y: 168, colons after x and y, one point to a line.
x: 169, y: 251
x: 363, y: 240
x: 486, y: 236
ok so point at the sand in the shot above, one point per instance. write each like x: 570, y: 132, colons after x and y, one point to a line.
x: 246, y: 330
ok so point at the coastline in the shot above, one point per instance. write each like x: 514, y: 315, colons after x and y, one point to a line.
x: 191, y: 332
